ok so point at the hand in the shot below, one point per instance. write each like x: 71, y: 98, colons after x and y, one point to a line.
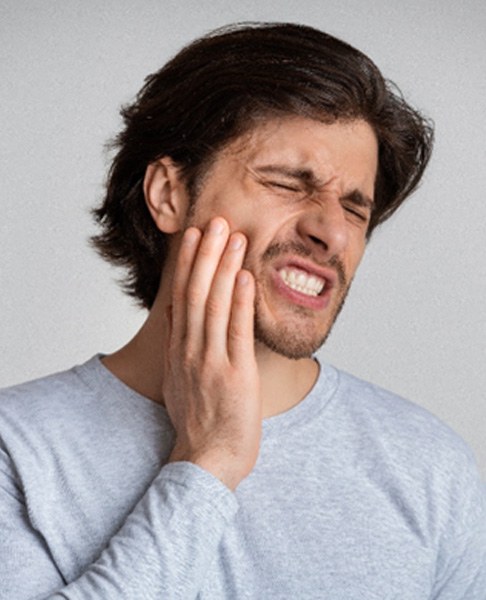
x: 211, y: 385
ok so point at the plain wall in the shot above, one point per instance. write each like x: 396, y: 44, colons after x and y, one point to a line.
x: 415, y: 321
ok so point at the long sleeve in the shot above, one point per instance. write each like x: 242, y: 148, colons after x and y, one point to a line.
x: 356, y: 494
x: 163, y: 549
x: 461, y: 573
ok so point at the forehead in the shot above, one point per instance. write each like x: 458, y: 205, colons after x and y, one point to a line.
x: 342, y: 150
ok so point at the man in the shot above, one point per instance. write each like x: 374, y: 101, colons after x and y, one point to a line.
x: 213, y: 456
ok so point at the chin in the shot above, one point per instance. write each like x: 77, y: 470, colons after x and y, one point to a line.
x: 286, y: 341
x: 294, y: 338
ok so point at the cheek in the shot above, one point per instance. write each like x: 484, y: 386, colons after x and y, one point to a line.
x: 229, y: 205
x: 250, y: 218
x: 355, y: 257
x: 261, y: 219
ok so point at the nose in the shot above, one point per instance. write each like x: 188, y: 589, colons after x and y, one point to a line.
x: 324, y: 226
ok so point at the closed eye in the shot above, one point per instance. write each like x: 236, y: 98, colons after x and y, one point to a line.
x: 283, y: 186
x: 363, y: 217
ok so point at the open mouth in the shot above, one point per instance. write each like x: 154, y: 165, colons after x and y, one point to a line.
x: 301, y: 281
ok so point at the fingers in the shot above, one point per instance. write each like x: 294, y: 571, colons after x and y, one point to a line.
x: 241, y: 327
x: 205, y: 266
x: 185, y: 260
x: 220, y: 298
x: 197, y: 262
x: 204, y: 313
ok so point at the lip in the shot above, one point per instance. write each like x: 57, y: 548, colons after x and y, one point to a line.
x: 312, y: 302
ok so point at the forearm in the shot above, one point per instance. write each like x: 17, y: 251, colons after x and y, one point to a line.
x: 163, y: 549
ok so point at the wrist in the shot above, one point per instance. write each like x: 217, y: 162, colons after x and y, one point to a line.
x: 217, y: 464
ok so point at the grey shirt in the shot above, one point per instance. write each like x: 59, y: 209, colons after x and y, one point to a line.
x: 357, y: 495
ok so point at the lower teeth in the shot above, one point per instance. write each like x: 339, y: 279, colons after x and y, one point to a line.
x: 302, y: 290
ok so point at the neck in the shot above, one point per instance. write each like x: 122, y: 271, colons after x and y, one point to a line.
x: 284, y: 382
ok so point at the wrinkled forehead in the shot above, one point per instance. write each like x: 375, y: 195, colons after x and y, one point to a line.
x: 344, y: 149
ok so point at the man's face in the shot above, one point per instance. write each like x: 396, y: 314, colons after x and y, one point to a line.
x: 301, y: 191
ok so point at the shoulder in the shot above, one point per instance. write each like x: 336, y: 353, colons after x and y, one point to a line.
x: 405, y: 428
x: 50, y: 394
x: 85, y: 403
x: 44, y: 389
x: 44, y: 408
x: 403, y: 446
x: 413, y: 457
x: 71, y: 430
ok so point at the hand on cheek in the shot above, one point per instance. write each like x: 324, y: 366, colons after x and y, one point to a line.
x: 211, y: 384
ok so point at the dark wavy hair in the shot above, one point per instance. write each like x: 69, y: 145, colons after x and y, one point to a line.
x: 213, y: 91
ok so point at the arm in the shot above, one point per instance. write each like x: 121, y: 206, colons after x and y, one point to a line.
x: 461, y: 573
x: 163, y: 550
x: 166, y: 545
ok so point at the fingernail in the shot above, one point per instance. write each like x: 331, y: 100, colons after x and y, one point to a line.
x: 216, y: 226
x: 243, y: 278
x: 191, y: 236
x: 236, y: 242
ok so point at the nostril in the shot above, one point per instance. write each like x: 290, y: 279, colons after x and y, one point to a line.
x: 318, y: 241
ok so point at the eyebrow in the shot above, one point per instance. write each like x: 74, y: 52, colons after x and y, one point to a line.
x: 309, y: 179
x: 306, y: 176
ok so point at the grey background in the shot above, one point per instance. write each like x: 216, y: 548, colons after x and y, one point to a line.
x: 415, y: 321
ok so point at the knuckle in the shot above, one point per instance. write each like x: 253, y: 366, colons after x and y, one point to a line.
x: 194, y: 297
x: 214, y: 307
x: 239, y: 302
x: 206, y: 250
x: 214, y: 368
x: 236, y: 332
x: 208, y: 371
x: 188, y: 361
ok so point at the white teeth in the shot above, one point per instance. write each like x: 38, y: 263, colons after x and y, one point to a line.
x: 302, y: 281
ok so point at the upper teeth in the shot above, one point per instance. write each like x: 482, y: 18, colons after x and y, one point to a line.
x: 302, y: 281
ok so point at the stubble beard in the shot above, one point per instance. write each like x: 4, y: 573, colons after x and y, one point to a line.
x: 288, y: 339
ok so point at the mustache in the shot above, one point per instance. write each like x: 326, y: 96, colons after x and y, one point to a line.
x: 278, y: 249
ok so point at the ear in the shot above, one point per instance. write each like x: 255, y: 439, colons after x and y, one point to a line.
x: 166, y: 195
